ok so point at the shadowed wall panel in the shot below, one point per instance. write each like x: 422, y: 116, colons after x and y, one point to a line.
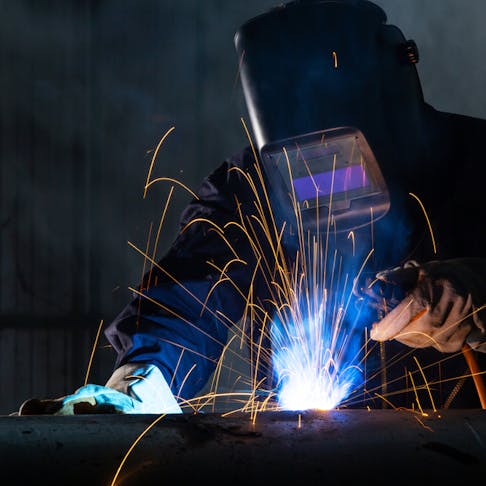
x: 49, y: 361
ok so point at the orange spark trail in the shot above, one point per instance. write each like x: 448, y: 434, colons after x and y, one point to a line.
x: 153, y: 159
x: 335, y: 59
x: 137, y: 440
x: 426, y: 384
x: 427, y: 219
x: 95, y: 344
x: 175, y: 181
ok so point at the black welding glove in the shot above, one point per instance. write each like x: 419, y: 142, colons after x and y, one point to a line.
x: 442, y: 304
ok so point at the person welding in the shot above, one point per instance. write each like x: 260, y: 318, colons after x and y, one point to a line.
x: 336, y: 108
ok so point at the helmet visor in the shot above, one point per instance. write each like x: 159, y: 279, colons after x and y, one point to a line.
x: 332, y: 173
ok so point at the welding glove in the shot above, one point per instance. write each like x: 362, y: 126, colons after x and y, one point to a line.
x: 441, y: 304
x: 133, y: 388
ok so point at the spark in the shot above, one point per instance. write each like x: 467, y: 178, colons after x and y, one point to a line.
x: 140, y: 293
x: 397, y: 360
x: 149, y: 237
x: 219, y: 366
x: 427, y: 219
x: 426, y: 384
x: 426, y: 427
x: 172, y: 312
x: 193, y: 367
x: 252, y: 145
x: 335, y: 59
x: 175, y: 181
x: 351, y: 235
x: 386, y: 400
x: 417, y: 400
x: 177, y: 366
x: 430, y: 383
x: 95, y: 344
x: 161, y: 222
x: 152, y: 162
x: 215, y: 227
x: 134, y: 444
x: 309, y: 342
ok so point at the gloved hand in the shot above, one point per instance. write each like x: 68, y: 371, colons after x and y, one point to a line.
x: 442, y: 305
x: 133, y: 388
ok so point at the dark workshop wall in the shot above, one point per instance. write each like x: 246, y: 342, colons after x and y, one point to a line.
x: 87, y: 90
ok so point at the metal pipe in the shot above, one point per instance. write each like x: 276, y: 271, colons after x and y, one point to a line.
x: 335, y: 447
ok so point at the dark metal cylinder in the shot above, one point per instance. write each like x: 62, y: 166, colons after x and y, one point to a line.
x: 332, y: 448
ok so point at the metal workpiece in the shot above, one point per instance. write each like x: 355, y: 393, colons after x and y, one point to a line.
x: 312, y: 447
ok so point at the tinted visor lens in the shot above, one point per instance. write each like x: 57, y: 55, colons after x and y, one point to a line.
x: 334, y: 170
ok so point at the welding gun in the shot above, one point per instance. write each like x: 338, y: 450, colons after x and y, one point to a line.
x: 439, y: 304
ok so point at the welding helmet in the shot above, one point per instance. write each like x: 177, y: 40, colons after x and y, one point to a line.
x: 333, y: 96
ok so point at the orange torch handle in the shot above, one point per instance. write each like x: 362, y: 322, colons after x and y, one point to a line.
x: 475, y: 373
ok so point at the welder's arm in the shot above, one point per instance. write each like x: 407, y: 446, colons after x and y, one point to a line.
x: 170, y: 337
x: 180, y: 316
x: 442, y: 305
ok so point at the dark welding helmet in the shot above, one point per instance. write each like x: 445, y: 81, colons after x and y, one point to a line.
x: 333, y: 95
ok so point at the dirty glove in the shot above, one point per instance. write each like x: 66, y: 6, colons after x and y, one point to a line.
x: 133, y: 388
x: 442, y: 305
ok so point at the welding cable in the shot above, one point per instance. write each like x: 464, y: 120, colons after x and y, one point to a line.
x: 476, y: 373
x: 455, y: 390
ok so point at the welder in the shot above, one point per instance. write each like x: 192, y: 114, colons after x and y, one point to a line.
x: 337, y: 87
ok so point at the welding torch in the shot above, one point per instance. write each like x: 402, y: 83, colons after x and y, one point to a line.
x: 398, y: 308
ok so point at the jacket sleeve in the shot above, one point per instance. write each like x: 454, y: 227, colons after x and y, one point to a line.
x: 180, y: 316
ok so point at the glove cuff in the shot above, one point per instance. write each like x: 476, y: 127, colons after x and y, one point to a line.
x: 146, y: 384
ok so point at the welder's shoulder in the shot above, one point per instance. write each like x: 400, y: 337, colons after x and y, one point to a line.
x: 230, y: 171
x: 244, y: 159
x: 227, y: 180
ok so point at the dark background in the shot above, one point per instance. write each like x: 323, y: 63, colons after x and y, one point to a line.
x: 87, y: 90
